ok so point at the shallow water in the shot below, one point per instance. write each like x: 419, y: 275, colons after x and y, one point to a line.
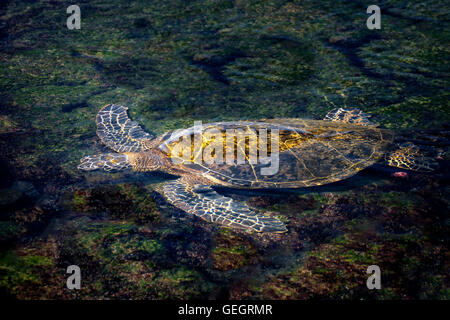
x: 173, y: 63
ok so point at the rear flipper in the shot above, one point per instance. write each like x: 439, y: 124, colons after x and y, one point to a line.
x: 206, y: 203
x: 105, y: 161
x: 408, y: 156
x: 349, y: 115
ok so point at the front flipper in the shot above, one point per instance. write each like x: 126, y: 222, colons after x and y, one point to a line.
x: 209, y: 205
x: 408, y: 156
x: 119, y: 132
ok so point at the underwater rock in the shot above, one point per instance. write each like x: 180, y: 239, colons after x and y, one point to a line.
x: 32, y: 272
x: 123, y: 260
x: 187, y: 245
x: 18, y: 190
x: 123, y: 201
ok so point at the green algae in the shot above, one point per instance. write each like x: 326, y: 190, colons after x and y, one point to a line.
x: 231, y: 251
x: 79, y: 202
x: 16, y: 271
x: 181, y: 283
x: 366, y: 255
x: 121, y: 239
x: 7, y: 125
x: 393, y: 199
x: 129, y: 254
x: 177, y: 283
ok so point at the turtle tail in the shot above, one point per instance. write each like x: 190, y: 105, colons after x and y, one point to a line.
x: 105, y: 161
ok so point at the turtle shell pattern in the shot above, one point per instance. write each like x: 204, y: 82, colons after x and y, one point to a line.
x: 310, y: 152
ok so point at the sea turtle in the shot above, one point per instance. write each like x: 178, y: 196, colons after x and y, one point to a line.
x: 309, y: 153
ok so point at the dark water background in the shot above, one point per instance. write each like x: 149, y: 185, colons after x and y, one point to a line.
x: 173, y: 62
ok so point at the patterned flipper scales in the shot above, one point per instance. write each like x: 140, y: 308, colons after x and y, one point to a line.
x: 105, y: 161
x: 349, y: 115
x: 119, y: 132
x: 408, y: 156
x: 209, y: 205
